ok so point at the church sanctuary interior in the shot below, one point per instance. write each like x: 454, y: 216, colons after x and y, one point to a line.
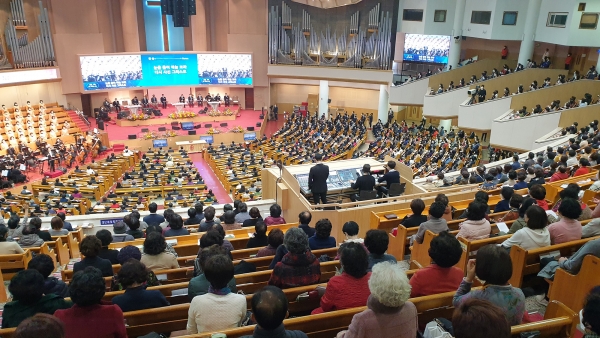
x: 299, y: 168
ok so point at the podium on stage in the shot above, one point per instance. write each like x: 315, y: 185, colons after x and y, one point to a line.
x: 214, y: 104
x: 134, y: 109
x: 178, y: 106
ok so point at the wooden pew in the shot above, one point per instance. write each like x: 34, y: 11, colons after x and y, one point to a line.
x: 11, y: 264
x: 571, y: 290
x: 527, y: 262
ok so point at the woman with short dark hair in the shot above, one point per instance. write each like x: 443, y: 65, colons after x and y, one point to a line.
x: 176, y: 227
x: 568, y: 228
x: 254, y: 217
x: 40, y: 325
x: 89, y: 315
x: 132, y: 277
x: 351, y: 288
x: 478, y: 318
x: 417, y: 206
x: 155, y: 257
x: 90, y: 248
x: 275, y: 216
x: 535, y: 234
x: 493, y: 265
x: 229, y: 221
x: 219, y: 309
x: 476, y: 226
x: 299, y: 266
x: 322, y: 238
x: 56, y: 225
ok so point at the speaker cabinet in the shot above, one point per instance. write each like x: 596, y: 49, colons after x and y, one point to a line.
x: 198, y: 126
x: 208, y: 125
x: 191, y: 132
x: 162, y: 128
x: 250, y: 128
x: 145, y: 130
x: 176, y: 128
x: 258, y: 124
x: 224, y: 124
x: 132, y: 137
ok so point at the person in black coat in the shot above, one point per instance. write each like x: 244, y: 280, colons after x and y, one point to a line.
x: 390, y: 177
x: 133, y: 276
x: 317, y: 180
x: 90, y: 247
x: 365, y: 182
x: 163, y: 101
x: 260, y: 238
x: 106, y: 238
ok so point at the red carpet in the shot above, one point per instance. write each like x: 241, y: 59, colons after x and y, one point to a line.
x: 247, y: 118
x: 211, y: 180
x: 53, y: 174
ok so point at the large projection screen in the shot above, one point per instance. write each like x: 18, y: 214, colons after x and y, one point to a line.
x: 146, y: 70
x: 426, y: 48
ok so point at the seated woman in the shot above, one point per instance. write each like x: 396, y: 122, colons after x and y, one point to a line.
x: 274, y: 239
x: 571, y: 191
x: 30, y: 237
x: 90, y: 315
x: 584, y: 167
x: 199, y: 285
x: 416, y: 206
x: 40, y: 325
x: 9, y: 247
x: 56, y: 227
x: 219, y: 309
x: 520, y: 222
x: 299, y: 266
x: 260, y: 236
x: 176, y: 227
x: 515, y: 203
x: 568, y: 228
x: 229, y: 222
x: 127, y: 253
x: 27, y: 290
x: 377, y: 242
x: 90, y: 247
x: 478, y: 318
x: 350, y: 230
x: 535, y: 234
x: 155, y: 256
x: 350, y: 289
x: 275, y: 216
x: 476, y: 226
x: 322, y: 238
x: 132, y: 277
x: 254, y: 217
x: 441, y: 275
x: 493, y: 265
x: 506, y: 193
x: 389, y: 314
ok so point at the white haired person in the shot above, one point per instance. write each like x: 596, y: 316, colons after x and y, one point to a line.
x: 389, y: 313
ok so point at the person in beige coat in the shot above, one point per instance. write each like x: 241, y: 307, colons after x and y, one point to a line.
x: 476, y: 226
x: 155, y: 257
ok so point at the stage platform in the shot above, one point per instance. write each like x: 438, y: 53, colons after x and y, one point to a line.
x: 162, y: 120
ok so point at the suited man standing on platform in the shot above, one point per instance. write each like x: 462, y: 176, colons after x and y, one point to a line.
x: 317, y: 180
x: 390, y: 177
x: 365, y: 182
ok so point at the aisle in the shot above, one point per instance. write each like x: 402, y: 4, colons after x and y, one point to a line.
x: 210, y: 178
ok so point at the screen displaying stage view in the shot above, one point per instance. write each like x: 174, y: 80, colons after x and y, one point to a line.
x: 207, y: 139
x: 102, y: 72
x: 426, y: 48
x: 159, y: 143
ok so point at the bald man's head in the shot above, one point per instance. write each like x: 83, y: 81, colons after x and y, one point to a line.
x: 269, y: 307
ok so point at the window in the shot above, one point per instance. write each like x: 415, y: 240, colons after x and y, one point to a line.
x: 557, y: 19
x: 439, y: 15
x: 588, y: 21
x: 581, y: 7
x: 481, y: 17
x: 412, y: 15
x: 509, y: 18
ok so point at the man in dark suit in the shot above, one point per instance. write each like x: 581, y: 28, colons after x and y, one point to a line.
x: 182, y: 100
x: 481, y: 93
x: 365, y: 182
x: 163, y: 100
x: 190, y: 100
x: 145, y: 101
x: 390, y: 177
x: 317, y: 180
x: 135, y: 101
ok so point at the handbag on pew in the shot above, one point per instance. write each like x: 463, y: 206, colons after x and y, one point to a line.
x: 437, y: 329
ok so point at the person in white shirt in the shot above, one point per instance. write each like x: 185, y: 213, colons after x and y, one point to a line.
x: 219, y: 309
x: 535, y: 234
x: 127, y: 152
x: 90, y: 171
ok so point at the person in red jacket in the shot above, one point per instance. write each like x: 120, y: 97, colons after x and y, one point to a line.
x: 584, y: 167
x: 504, y: 52
x: 90, y: 316
x: 441, y: 276
x: 561, y: 174
x: 351, y: 288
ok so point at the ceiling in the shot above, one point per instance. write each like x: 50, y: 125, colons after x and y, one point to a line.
x: 327, y: 3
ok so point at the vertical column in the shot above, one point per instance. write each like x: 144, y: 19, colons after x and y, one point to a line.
x: 528, y: 42
x: 384, y: 103
x: 198, y: 27
x: 323, y: 98
x: 459, y: 15
x: 598, y: 61
x: 129, y: 22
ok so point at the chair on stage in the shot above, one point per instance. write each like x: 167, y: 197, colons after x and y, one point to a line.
x: 235, y: 100
x: 396, y: 189
x: 365, y: 195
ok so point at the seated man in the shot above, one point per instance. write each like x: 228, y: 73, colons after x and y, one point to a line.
x: 269, y: 309
x: 390, y: 177
x: 366, y: 182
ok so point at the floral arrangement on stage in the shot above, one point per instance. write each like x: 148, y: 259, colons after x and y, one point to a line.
x: 170, y: 133
x: 150, y: 135
x: 182, y: 115
x: 138, y: 117
x: 212, y: 131
x: 226, y: 112
x: 237, y: 129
